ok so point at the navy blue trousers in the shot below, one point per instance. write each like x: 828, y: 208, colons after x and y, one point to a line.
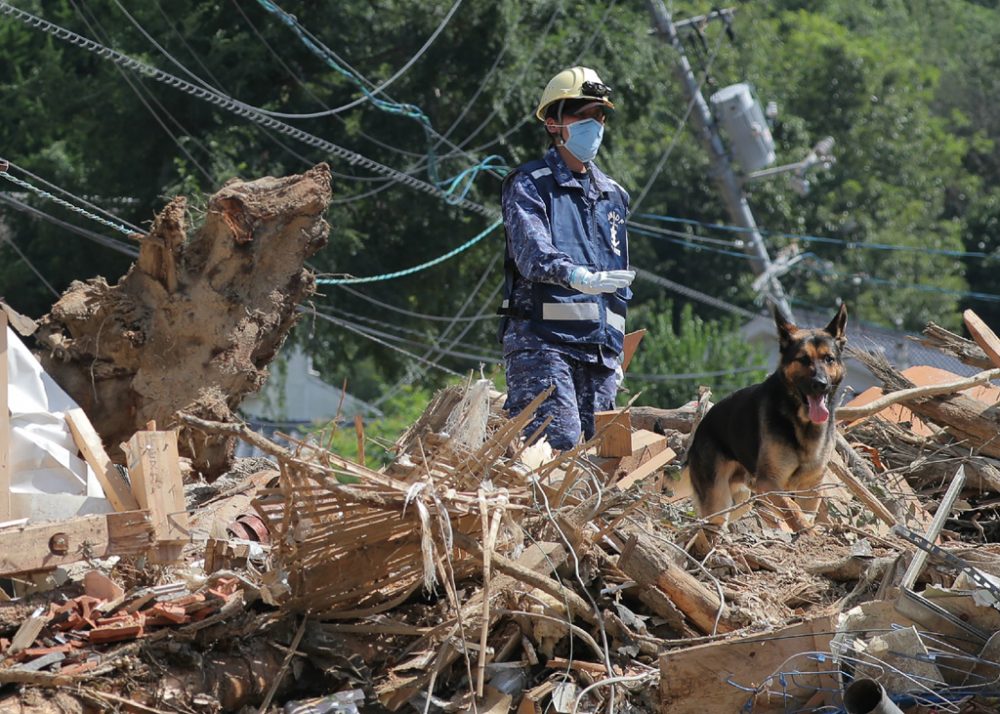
x: 581, y: 389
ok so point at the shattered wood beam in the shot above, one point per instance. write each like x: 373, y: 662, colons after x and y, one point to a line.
x: 963, y: 416
x: 578, y: 606
x: 40, y: 547
x: 4, y: 424
x: 965, y: 350
x: 658, y: 420
x: 983, y: 335
x: 644, y: 561
x: 856, y: 486
x: 402, y: 684
x: 916, y: 393
x: 159, y: 488
x: 115, y: 487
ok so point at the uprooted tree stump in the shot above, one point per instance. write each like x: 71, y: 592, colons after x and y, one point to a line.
x: 194, y: 323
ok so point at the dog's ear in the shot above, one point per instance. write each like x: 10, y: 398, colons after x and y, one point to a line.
x: 838, y: 325
x: 785, y: 329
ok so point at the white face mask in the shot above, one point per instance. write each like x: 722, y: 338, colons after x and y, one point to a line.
x: 585, y: 138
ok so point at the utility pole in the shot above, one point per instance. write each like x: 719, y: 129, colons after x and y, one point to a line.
x: 722, y: 170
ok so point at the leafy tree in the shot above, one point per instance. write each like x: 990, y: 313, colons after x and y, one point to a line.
x: 682, y: 351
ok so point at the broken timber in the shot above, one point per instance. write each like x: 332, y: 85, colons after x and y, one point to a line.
x: 48, y: 545
x: 154, y: 468
x: 87, y: 440
x: 715, y: 677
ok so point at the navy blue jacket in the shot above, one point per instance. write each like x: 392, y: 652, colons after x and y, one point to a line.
x: 552, y: 226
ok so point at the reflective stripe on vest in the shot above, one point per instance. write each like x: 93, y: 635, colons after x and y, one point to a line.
x: 616, y: 321
x: 571, y: 311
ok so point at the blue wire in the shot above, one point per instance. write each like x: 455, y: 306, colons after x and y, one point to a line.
x: 687, y: 244
x: 407, y: 110
x: 66, y: 204
x: 466, y: 178
x: 817, y: 239
x: 416, y: 268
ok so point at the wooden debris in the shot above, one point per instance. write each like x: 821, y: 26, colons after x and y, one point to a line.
x: 159, y: 488
x: 115, y: 487
x: 715, y: 677
x: 27, y: 548
x: 983, y: 335
x: 645, y: 561
x: 616, y: 428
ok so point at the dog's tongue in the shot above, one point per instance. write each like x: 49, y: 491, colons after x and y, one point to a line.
x: 818, y: 413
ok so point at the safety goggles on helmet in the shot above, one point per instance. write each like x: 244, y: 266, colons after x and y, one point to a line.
x: 597, y: 90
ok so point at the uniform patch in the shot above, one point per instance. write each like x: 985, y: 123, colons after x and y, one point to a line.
x: 614, y: 220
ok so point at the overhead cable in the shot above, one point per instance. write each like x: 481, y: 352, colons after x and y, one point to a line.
x: 106, y: 241
x: 416, y: 268
x: 31, y: 266
x: 678, y: 131
x: 229, y: 104
x: 65, y: 204
x: 411, y: 313
x: 693, y: 294
x: 348, y: 326
x: 290, y: 20
x: 137, y: 89
x: 820, y: 239
x: 79, y: 199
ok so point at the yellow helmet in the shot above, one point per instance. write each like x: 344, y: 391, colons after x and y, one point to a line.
x: 574, y: 83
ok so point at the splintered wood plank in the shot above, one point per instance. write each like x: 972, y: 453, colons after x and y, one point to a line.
x: 701, y: 679
x: 4, y: 424
x: 616, y: 438
x: 657, y: 462
x: 154, y: 467
x: 40, y: 547
x: 89, y: 443
x: 629, y: 346
x: 402, y: 685
x: 983, y: 335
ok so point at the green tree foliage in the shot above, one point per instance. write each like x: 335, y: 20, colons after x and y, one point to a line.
x: 907, y: 89
x: 679, y: 343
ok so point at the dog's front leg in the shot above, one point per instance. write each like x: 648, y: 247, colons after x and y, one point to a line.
x: 773, y: 473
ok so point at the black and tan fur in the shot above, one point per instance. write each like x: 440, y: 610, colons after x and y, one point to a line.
x: 761, y: 438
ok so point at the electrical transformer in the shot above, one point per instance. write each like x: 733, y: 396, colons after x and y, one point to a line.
x: 738, y: 112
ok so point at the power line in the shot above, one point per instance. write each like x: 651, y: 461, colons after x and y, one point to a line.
x: 305, y: 87
x: 348, y: 326
x: 416, y: 268
x: 693, y: 294
x: 106, y: 241
x: 65, y: 204
x: 346, y: 314
x: 31, y: 266
x: 821, y: 239
x: 319, y: 48
x: 78, y: 199
x: 411, y: 313
x: 232, y: 105
x: 138, y: 93
x: 677, y: 132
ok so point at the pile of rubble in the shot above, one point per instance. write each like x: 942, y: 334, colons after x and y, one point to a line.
x: 480, y: 572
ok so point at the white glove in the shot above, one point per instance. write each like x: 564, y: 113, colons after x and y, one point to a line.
x: 605, y: 281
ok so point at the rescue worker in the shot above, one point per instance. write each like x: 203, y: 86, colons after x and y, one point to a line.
x: 566, y: 268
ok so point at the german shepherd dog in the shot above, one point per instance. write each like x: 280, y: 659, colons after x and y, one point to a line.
x: 774, y: 436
